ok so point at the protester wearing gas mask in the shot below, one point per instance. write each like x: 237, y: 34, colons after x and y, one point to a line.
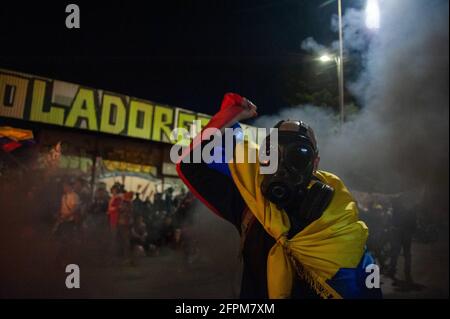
x: 299, y: 227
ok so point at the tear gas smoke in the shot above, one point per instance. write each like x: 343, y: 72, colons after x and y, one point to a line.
x: 399, y: 140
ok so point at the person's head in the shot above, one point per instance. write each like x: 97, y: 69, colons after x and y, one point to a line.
x: 169, y: 192
x: 298, y: 159
x: 115, y: 189
x: 67, y: 187
x: 79, y: 184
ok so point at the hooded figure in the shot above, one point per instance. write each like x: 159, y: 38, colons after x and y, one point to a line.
x: 300, y: 232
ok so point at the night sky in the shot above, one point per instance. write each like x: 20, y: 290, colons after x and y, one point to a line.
x: 182, y: 53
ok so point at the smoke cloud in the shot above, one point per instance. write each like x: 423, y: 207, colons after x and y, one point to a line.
x: 399, y: 141
x: 311, y: 45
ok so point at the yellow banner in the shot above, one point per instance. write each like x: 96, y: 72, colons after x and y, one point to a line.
x: 129, y: 167
x: 37, y: 99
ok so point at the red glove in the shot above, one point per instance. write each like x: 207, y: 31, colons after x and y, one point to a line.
x: 232, y: 105
x: 230, y: 111
x: 231, y: 99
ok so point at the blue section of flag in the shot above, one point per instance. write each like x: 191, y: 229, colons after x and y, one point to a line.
x: 350, y: 283
x: 222, y: 165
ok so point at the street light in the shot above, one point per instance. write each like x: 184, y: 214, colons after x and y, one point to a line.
x: 372, y: 15
x: 326, y: 58
x: 340, y: 66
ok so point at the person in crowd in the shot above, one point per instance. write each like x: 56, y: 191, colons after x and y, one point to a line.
x: 147, y: 210
x: 124, y: 225
x: 179, y: 198
x: 404, y: 220
x: 376, y: 218
x: 158, y: 202
x: 168, y: 201
x: 66, y: 226
x: 138, y: 206
x: 139, y: 235
x: 114, y: 204
x: 99, y: 206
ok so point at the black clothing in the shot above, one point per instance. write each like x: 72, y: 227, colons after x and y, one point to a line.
x: 220, y: 191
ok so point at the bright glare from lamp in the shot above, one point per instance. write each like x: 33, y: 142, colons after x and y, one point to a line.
x: 325, y: 58
x: 372, y: 14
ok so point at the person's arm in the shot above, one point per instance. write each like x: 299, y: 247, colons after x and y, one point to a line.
x: 214, y: 188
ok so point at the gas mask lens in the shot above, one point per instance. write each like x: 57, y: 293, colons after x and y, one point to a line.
x: 298, y: 157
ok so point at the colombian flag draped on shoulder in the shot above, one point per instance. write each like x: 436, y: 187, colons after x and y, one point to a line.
x: 334, y: 241
x: 329, y: 253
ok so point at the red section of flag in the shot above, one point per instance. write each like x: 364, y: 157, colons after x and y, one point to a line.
x: 230, y: 108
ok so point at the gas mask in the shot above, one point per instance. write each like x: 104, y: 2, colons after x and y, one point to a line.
x: 297, y: 152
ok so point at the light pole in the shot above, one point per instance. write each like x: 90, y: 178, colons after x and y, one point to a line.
x: 340, y: 67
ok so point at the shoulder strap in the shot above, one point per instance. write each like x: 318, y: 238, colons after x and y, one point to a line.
x: 317, y: 200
